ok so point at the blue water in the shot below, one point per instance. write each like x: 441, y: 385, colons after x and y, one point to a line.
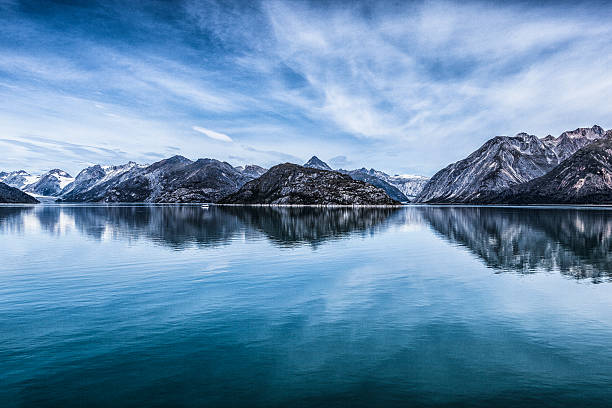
x: 134, y: 306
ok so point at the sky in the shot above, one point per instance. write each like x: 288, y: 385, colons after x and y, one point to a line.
x: 403, y: 87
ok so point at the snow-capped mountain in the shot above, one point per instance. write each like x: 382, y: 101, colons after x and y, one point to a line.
x: 409, y: 185
x: 172, y: 180
x: 251, y: 170
x: 50, y: 184
x: 503, y: 162
x: 18, y: 179
x: 92, y: 176
x: 371, y: 176
x: 316, y: 163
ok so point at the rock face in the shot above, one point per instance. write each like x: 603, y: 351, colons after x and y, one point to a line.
x: 13, y: 195
x: 316, y: 163
x: 173, y: 180
x: 18, y: 179
x: 503, y: 162
x: 584, y: 178
x: 251, y: 170
x: 370, y: 176
x: 50, y: 184
x: 292, y: 184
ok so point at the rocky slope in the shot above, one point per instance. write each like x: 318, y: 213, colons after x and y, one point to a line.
x: 584, y: 178
x: 13, y: 195
x: 316, y: 163
x: 94, y: 176
x: 503, y: 162
x: 369, y: 176
x: 173, y: 180
x: 292, y: 184
x: 50, y: 184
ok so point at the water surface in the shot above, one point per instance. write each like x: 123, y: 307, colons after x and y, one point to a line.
x: 131, y: 306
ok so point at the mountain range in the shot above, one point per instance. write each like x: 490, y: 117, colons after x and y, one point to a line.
x: 572, y: 168
x: 504, y: 162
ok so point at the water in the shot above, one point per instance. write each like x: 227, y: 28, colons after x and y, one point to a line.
x: 135, y: 306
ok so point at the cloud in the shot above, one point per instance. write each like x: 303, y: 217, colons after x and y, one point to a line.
x: 403, y: 87
x: 212, y: 134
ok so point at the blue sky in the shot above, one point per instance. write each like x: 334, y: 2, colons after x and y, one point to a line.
x: 405, y: 87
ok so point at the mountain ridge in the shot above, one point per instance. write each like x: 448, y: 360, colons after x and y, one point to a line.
x: 502, y: 162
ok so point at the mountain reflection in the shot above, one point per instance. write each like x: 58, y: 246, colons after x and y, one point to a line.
x: 183, y: 226
x: 288, y: 226
x: 575, y: 242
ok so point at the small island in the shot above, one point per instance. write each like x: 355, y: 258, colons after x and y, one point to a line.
x: 291, y: 184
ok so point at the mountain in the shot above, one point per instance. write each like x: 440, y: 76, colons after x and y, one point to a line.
x: 369, y: 176
x: 18, y: 179
x: 503, y: 162
x: 94, y: 176
x: 251, y: 170
x: 410, y: 185
x: 316, y: 163
x: 292, y: 184
x: 173, y: 180
x: 50, y: 184
x: 13, y: 195
x: 584, y: 178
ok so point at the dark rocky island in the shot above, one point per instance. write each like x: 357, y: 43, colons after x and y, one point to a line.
x: 291, y: 184
x: 12, y: 195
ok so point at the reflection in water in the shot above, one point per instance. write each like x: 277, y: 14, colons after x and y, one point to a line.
x: 575, y: 242
x: 298, y: 225
x: 128, y: 306
x: 182, y: 226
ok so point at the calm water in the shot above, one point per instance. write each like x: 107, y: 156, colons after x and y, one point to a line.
x: 419, y: 306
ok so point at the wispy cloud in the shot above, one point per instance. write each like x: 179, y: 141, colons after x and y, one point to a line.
x: 406, y: 87
x: 212, y: 134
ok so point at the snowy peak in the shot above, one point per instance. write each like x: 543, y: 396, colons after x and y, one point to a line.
x: 316, y: 163
x: 18, y: 179
x: 400, y: 188
x: 96, y: 175
x: 592, y: 133
x: 251, y: 170
x: 50, y: 184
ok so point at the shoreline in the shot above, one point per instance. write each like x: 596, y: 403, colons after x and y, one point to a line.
x: 142, y: 204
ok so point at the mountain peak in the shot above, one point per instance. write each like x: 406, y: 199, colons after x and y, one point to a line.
x: 316, y: 163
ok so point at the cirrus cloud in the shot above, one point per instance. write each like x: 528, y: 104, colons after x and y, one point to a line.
x: 212, y: 134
